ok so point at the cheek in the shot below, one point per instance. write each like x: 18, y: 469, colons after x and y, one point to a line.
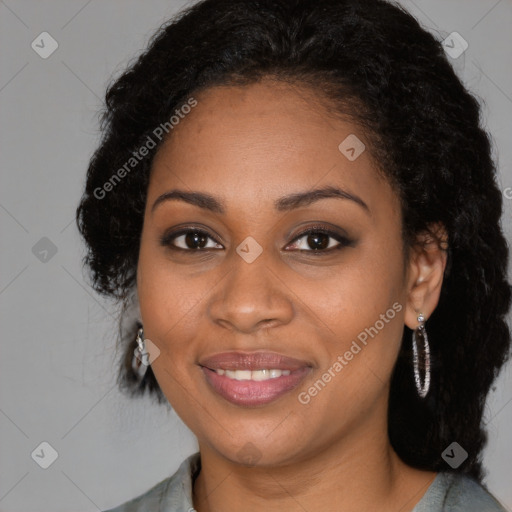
x: 167, y: 308
x: 355, y: 295
x: 362, y: 305
x: 165, y: 298
x: 172, y: 303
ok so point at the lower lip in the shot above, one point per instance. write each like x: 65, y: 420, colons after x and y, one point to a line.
x: 251, y: 392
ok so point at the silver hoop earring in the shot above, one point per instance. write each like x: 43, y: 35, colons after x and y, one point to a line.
x: 419, y: 335
x: 140, y: 359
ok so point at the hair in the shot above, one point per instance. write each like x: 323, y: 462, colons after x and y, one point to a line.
x: 372, y: 61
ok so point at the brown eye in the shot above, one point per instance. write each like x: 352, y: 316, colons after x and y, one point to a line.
x: 189, y: 240
x: 320, y: 240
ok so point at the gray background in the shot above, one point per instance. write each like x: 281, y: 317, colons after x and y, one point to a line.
x: 57, y: 376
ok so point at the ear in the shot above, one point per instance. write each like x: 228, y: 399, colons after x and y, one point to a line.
x: 426, y: 265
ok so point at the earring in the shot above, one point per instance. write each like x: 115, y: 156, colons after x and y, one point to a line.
x: 419, y: 335
x: 140, y: 359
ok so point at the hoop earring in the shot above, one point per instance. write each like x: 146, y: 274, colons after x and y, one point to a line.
x: 140, y: 361
x: 419, y: 335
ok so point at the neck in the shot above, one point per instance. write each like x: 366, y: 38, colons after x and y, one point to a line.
x: 359, y: 472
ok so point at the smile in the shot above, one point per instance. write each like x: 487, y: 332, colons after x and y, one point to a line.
x: 257, y: 375
x: 251, y: 379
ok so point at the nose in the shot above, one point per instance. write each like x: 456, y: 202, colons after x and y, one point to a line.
x: 251, y: 297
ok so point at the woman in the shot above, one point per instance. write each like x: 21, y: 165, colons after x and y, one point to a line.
x: 300, y: 199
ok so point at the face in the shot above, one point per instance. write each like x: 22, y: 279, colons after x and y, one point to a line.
x: 262, y: 273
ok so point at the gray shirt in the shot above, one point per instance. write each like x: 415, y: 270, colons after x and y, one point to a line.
x: 449, y: 492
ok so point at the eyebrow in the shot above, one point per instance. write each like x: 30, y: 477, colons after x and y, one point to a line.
x: 283, y: 204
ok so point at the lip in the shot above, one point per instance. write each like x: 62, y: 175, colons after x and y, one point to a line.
x: 249, y: 393
x: 252, y: 361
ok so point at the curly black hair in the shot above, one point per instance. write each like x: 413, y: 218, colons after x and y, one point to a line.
x: 374, y: 62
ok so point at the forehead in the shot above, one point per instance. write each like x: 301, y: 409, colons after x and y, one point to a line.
x: 262, y: 141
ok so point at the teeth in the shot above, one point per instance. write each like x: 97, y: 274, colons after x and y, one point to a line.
x: 253, y: 375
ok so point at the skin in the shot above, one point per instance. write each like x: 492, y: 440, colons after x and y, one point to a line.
x: 249, y: 146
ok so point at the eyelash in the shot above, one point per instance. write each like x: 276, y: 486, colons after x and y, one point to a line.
x: 167, y: 239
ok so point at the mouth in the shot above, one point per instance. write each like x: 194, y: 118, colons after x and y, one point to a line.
x: 253, y: 379
x: 256, y: 375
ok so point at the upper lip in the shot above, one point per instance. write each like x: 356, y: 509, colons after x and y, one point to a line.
x: 252, y: 361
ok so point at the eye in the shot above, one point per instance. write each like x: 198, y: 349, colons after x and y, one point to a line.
x: 189, y: 239
x: 317, y: 238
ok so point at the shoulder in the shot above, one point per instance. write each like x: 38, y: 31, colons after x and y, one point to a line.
x: 171, y: 494
x: 453, y: 492
x: 466, y: 494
